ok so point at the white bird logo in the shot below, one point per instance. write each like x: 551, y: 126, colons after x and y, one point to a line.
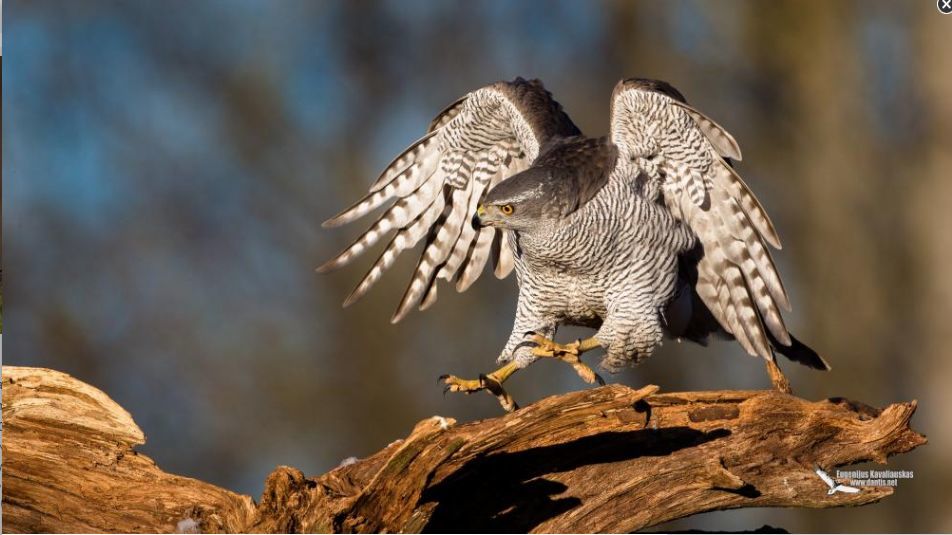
x: 834, y: 486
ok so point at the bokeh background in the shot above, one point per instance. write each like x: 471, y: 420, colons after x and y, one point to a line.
x: 167, y: 166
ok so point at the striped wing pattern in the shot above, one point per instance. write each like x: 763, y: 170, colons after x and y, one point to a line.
x: 687, y: 157
x: 434, y: 188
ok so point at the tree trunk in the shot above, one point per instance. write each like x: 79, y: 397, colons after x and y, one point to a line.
x: 606, y: 459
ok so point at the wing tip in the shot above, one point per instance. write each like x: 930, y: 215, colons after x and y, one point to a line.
x: 348, y: 214
x: 341, y: 218
x: 406, y: 305
x: 332, y: 222
x: 398, y: 315
x: 380, y: 183
x: 429, y: 299
x: 733, y: 151
x: 463, y: 283
x: 352, y: 297
x: 327, y: 267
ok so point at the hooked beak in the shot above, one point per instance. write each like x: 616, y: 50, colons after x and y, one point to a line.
x: 478, y: 218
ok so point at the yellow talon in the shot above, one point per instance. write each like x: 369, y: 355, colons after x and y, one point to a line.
x: 492, y: 383
x: 542, y: 347
x: 568, y: 353
x: 455, y: 384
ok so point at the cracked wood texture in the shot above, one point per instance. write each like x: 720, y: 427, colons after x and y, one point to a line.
x: 606, y: 459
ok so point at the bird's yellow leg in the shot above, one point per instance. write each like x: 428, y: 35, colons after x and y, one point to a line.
x: 491, y: 382
x: 777, y: 378
x: 569, y: 353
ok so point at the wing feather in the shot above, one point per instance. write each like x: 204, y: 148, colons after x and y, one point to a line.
x: 459, y: 231
x: 720, y: 138
x: 447, y: 114
x: 476, y: 258
x: 683, y: 153
x: 429, y: 298
x: 503, y: 259
x: 400, y: 185
x: 728, y: 179
x: 438, y: 248
x: 396, y: 216
x: 478, y: 186
x: 404, y: 161
x: 436, y: 184
x: 404, y: 239
x: 746, y: 250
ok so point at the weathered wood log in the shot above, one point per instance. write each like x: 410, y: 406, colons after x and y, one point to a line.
x: 69, y: 465
x: 605, y: 459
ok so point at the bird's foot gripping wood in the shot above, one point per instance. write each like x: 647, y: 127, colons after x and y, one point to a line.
x: 569, y: 353
x: 491, y: 383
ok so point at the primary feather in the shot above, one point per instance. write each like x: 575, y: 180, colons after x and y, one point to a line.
x: 435, y: 185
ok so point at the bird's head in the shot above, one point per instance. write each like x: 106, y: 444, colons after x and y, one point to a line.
x: 523, y: 202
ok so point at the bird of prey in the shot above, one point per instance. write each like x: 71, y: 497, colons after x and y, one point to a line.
x: 646, y: 233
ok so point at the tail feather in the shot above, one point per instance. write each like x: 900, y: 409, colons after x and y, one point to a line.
x: 799, y: 352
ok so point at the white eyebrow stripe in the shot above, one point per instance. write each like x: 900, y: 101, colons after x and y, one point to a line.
x: 529, y: 194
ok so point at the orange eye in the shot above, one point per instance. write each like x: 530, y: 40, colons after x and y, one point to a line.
x: 507, y: 209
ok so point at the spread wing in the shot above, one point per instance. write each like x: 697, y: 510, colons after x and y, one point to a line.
x: 436, y: 184
x: 686, y: 157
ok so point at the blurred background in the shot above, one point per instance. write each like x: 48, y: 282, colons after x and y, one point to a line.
x: 167, y: 167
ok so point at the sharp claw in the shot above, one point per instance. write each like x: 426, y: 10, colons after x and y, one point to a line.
x: 601, y: 381
x: 487, y: 382
x: 442, y: 378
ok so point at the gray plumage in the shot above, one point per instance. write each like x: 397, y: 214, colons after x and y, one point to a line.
x: 645, y: 233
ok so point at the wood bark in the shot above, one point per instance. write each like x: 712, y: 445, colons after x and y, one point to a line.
x: 605, y: 459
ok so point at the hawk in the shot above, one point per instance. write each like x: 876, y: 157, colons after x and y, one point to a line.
x: 646, y: 233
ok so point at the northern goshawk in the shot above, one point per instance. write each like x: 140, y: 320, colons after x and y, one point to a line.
x: 645, y: 233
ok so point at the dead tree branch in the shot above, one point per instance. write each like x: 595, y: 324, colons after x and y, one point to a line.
x: 607, y: 459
